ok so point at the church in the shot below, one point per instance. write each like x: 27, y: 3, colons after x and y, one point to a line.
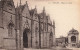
x: 21, y: 27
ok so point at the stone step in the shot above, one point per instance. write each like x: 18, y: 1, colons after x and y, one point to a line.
x: 2, y: 49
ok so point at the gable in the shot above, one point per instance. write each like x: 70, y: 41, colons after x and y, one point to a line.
x: 9, y: 6
x: 25, y: 11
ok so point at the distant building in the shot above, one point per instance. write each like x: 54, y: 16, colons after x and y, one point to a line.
x: 73, y: 38
x: 62, y: 41
x: 23, y: 28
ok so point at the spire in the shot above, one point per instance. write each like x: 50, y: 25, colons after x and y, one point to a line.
x: 17, y: 4
x: 20, y: 2
x: 44, y: 13
x: 35, y: 9
x: 20, y: 6
x: 43, y: 9
x: 27, y: 3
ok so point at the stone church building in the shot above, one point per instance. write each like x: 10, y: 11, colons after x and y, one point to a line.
x: 21, y: 27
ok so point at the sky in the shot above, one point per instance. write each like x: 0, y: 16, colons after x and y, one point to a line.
x: 65, y: 13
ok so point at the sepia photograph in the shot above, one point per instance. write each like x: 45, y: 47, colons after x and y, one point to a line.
x: 39, y: 24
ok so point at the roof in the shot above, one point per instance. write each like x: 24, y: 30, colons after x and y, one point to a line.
x: 73, y: 31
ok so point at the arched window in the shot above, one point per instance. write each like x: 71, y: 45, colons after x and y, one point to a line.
x: 10, y: 29
x: 73, y: 39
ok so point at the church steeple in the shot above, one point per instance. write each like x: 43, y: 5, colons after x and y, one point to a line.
x: 20, y: 3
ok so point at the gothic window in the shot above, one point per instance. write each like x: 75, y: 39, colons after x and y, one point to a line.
x: 10, y: 29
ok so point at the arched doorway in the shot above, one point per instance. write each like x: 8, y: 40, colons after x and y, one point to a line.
x: 73, y: 39
x: 51, y: 39
x: 25, y: 38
